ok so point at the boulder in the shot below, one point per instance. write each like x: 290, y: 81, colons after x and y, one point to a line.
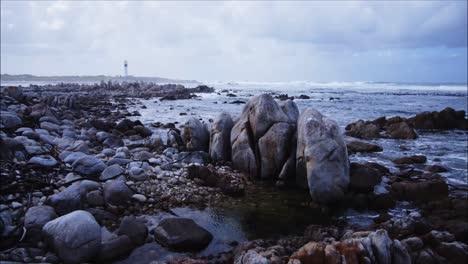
x: 363, y: 130
x: 71, y: 198
x: 426, y: 188
x: 356, y: 146
x: 220, y: 138
x: 134, y: 229
x: 445, y: 119
x: 75, y: 237
x: 401, y: 130
x: 455, y: 252
x: 195, y: 135
x: 311, y: 252
x: 363, y: 177
x: 116, y: 192
x: 88, y: 165
x: 43, y: 161
x: 37, y: 216
x: 263, y: 139
x: 418, y: 159
x: 382, y: 246
x: 322, y: 158
x: 114, y: 247
x: 182, y: 234
x: 71, y: 156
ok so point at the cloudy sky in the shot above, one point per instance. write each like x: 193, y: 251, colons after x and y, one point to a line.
x: 418, y: 41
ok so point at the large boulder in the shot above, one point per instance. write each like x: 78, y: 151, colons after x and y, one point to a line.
x: 36, y: 217
x: 195, y: 135
x: 135, y: 229
x: 401, y: 130
x: 75, y: 237
x: 182, y: 234
x: 263, y: 139
x: 445, y: 119
x: 322, y: 158
x: 220, y: 138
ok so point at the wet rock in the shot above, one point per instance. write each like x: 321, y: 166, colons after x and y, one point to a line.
x: 182, y: 234
x: 134, y: 229
x: 363, y: 130
x: 429, y: 187
x: 355, y: 146
x: 75, y: 237
x: 413, y: 243
x: 195, y: 135
x: 400, y: 253
x: 51, y: 127
x: 116, y: 192
x: 415, y: 159
x: 118, y: 161
x: 251, y: 257
x: 155, y: 142
x: 322, y: 158
x: 111, y: 172
x: 382, y: 246
x: 401, y: 130
x: 455, y: 252
x: 220, y: 138
x: 363, y: 177
x: 43, y: 161
x: 9, y: 120
x: 445, y: 119
x: 88, y: 165
x: 311, y: 252
x: 435, y: 168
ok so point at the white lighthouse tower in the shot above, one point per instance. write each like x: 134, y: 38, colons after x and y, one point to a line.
x: 126, y: 68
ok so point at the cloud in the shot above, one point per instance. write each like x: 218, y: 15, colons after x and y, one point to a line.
x: 233, y: 40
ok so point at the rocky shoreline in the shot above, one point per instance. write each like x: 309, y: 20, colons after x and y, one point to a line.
x: 78, y: 178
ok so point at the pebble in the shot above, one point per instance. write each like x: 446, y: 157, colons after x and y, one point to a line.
x: 139, y: 197
x: 16, y: 205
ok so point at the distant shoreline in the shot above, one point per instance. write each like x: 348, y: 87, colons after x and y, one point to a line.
x: 87, y: 78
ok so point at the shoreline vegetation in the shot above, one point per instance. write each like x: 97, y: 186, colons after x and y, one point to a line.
x: 83, y: 180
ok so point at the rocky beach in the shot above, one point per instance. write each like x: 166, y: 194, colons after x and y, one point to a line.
x: 137, y: 172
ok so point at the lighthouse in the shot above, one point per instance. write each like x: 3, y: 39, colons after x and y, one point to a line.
x: 125, y: 68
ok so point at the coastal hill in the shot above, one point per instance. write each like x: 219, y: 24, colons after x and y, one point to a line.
x: 87, y: 78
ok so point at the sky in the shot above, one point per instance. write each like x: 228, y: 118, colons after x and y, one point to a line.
x: 397, y: 41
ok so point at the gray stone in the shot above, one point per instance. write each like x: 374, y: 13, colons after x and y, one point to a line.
x: 36, y: 217
x: 71, y: 198
x: 182, y: 234
x: 88, y: 165
x: 75, y: 237
x: 139, y: 197
x: 95, y: 198
x: 50, y: 127
x: 137, y: 174
x: 220, y: 138
x: 43, y: 160
x: 400, y: 253
x: 116, y: 192
x: 143, y: 156
x: 321, y: 159
x: 113, y: 141
x: 50, y: 119
x: 119, y: 161
x: 9, y: 120
x: 195, y: 135
x: 382, y: 245
x: 73, y: 156
x: 111, y: 172
x: 135, y: 229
